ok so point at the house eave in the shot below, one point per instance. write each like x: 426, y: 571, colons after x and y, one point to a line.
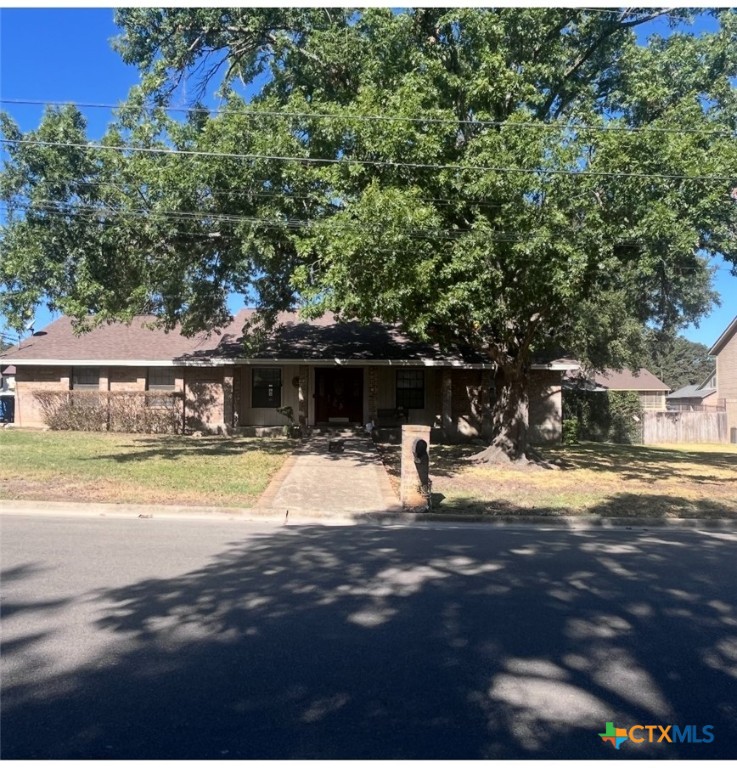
x: 556, y: 366
x: 721, y: 342
x: 94, y: 363
x: 357, y: 362
x: 220, y: 362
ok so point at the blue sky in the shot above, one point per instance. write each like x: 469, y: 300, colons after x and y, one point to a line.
x: 78, y: 64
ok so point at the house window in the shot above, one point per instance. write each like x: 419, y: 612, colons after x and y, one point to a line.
x: 410, y: 389
x: 161, y: 379
x: 651, y: 401
x: 86, y: 378
x: 266, y: 388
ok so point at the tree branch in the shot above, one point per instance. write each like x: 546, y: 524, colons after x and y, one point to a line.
x: 588, y: 53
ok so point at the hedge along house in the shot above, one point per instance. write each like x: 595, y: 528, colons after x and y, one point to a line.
x: 328, y: 372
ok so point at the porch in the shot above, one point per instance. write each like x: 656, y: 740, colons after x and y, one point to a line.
x: 454, y: 401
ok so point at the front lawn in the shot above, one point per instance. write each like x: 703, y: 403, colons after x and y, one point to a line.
x: 593, y: 479
x: 102, y: 467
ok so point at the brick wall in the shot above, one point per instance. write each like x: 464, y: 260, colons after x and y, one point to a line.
x: 546, y: 406
x: 470, y: 419
x: 114, y: 378
x: 126, y: 379
x: 34, y: 378
x: 204, y: 399
x: 466, y: 411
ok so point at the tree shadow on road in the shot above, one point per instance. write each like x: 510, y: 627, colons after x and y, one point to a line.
x: 361, y: 642
x: 632, y: 506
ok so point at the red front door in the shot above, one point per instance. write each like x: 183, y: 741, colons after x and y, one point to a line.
x: 339, y: 395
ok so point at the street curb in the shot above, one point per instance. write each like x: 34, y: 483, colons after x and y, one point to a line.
x: 23, y: 507
x: 375, y: 517
x: 558, y: 521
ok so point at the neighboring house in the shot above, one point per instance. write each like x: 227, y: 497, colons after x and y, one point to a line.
x: 725, y: 352
x: 650, y: 389
x: 328, y: 372
x: 695, y: 397
x: 7, y: 393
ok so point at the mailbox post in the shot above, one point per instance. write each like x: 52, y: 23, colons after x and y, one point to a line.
x: 415, y: 472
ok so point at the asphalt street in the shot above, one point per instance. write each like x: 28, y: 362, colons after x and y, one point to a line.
x: 175, y: 638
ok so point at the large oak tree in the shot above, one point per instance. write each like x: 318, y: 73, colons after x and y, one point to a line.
x: 515, y: 181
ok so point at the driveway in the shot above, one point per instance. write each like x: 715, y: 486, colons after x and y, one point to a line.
x: 178, y: 639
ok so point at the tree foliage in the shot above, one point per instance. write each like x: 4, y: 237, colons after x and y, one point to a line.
x: 614, y: 417
x: 510, y: 180
x: 677, y: 361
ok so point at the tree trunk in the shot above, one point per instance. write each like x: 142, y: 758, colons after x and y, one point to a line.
x: 509, y: 419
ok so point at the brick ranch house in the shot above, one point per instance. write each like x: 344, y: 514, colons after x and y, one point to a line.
x: 328, y: 372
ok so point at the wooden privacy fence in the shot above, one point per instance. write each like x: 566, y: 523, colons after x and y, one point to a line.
x: 684, y: 427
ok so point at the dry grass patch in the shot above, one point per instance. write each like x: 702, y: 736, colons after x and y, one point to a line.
x: 137, y: 469
x: 592, y: 479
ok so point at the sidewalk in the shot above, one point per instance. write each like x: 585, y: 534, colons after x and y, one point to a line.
x: 346, y: 482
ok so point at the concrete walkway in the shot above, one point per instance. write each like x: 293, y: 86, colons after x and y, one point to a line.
x: 316, y: 480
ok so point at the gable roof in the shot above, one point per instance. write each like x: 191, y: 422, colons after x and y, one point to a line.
x: 723, y: 340
x: 109, y: 342
x: 138, y: 343
x: 323, y: 340
x: 641, y: 380
x: 610, y: 379
x: 712, y: 375
x: 692, y: 391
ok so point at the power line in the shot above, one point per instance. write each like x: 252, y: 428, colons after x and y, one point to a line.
x: 91, y: 213
x: 376, y: 163
x: 623, y: 12
x: 333, y: 194
x: 262, y: 114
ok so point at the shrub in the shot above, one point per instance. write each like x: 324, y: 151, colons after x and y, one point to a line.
x: 570, y: 431
x: 625, y: 417
x: 82, y: 411
x: 292, y: 429
x: 146, y: 412
x: 603, y: 416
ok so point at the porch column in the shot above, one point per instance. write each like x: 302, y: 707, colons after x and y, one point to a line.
x: 304, y: 377
x: 446, y: 390
x: 228, y: 394
x: 373, y: 392
x: 486, y: 385
x: 237, y: 387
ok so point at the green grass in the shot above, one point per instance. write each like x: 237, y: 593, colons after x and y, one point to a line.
x: 101, y: 467
x: 673, y: 481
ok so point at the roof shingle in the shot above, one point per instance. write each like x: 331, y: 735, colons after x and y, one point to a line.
x: 294, y: 339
